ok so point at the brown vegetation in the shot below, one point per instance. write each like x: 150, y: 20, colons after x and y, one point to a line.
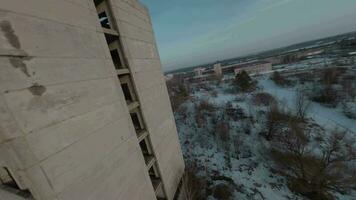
x: 178, y: 92
x: 315, y: 174
x: 331, y: 75
x: 327, y: 96
x: 203, y: 107
x: 280, y: 80
x: 302, y: 104
x: 222, y: 192
x: 276, y: 119
x: 234, y: 113
x: 263, y: 99
x: 192, y: 184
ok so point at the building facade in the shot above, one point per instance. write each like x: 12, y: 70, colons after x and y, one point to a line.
x: 84, y: 108
x: 198, y: 72
x: 253, y: 68
x: 217, y: 69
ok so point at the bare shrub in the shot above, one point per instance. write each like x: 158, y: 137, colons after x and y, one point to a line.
x: 200, y: 119
x: 331, y: 75
x: 348, y: 87
x: 234, y: 113
x: 205, y: 105
x: 276, y: 119
x: 263, y: 99
x: 222, y: 131
x: 178, y: 92
x: 349, y: 109
x: 302, y: 104
x: 214, y: 93
x: 182, y: 110
x: 202, y: 108
x: 315, y: 174
x: 280, y: 80
x: 192, y: 184
x: 223, y: 192
x: 305, y: 76
x: 237, y: 142
x: 327, y: 96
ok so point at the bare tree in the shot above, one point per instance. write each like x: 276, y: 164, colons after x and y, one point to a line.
x: 178, y: 92
x: 192, y: 184
x: 314, y: 173
x: 222, y: 131
x: 302, y: 104
x: 274, y: 118
x: 237, y: 142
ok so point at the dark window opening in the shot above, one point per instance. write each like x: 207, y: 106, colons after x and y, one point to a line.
x: 110, y: 38
x: 97, y: 2
x: 127, y: 93
x: 152, y: 172
x: 104, y: 20
x: 154, y: 178
x: 136, y: 121
x: 116, y: 59
x: 144, y: 148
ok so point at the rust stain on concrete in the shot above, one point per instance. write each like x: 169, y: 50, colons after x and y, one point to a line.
x: 10, y: 35
x: 18, y: 62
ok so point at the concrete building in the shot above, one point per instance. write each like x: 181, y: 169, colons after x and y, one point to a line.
x: 84, y: 109
x: 253, y: 67
x: 199, y: 71
x: 217, y: 69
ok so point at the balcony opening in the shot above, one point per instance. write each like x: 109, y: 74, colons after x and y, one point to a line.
x: 152, y: 172
x: 98, y: 2
x: 104, y: 20
x: 147, y: 153
x: 156, y: 181
x: 116, y: 59
x: 136, y: 122
x: 144, y: 147
x: 127, y: 93
x: 8, y: 183
x: 110, y: 38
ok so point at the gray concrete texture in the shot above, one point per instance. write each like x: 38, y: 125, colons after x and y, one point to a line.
x: 65, y: 129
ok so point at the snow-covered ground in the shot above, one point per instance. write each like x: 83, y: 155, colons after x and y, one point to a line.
x: 251, y: 171
x: 324, y: 116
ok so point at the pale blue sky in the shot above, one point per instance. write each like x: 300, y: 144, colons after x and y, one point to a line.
x: 192, y: 32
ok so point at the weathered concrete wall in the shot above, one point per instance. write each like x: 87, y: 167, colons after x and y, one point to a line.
x: 65, y: 129
x: 138, y: 41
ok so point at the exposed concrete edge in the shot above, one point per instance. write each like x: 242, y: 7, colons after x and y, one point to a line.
x: 177, y: 194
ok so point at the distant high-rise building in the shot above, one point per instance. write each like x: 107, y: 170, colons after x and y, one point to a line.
x: 199, y: 71
x: 84, y: 109
x: 217, y: 69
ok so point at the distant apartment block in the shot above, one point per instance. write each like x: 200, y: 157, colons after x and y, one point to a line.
x: 84, y: 108
x: 253, y: 67
x: 217, y: 69
x: 198, y: 72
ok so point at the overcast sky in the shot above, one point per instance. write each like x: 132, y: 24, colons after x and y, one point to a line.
x: 192, y: 32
